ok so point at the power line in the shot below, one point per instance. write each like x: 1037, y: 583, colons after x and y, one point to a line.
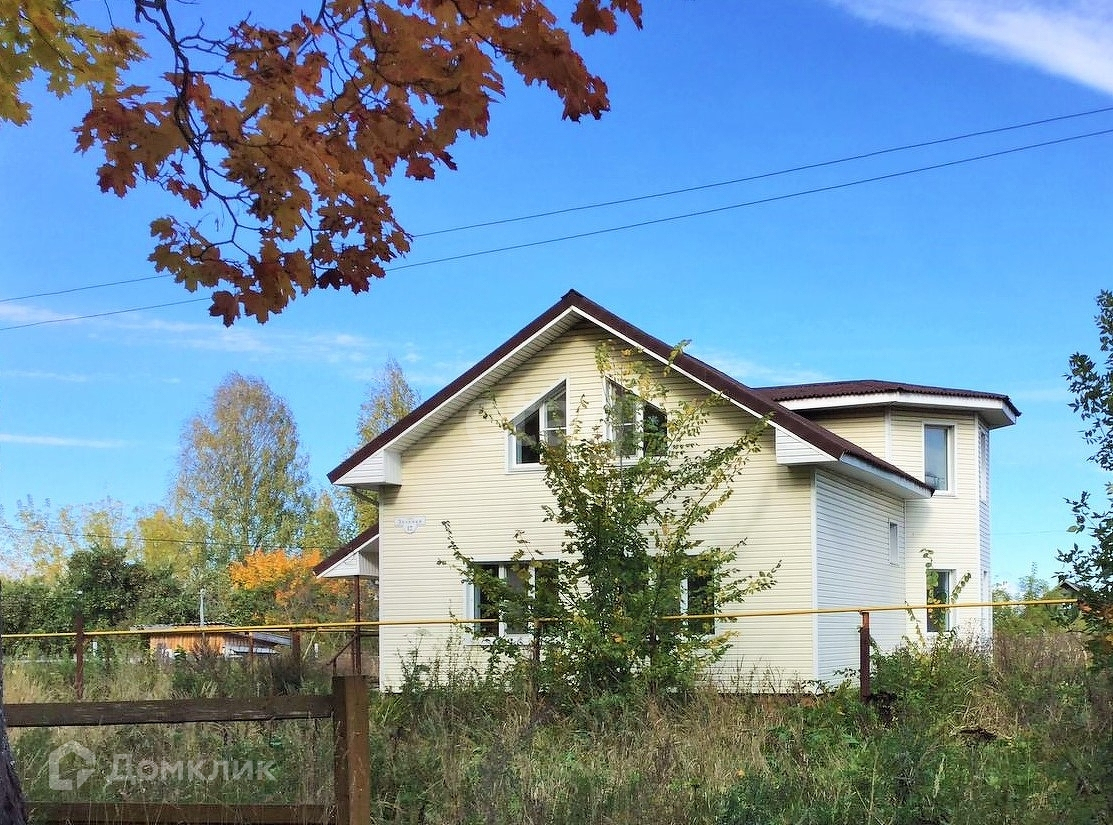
x: 94, y: 535
x: 80, y: 288
x: 637, y: 198
x: 766, y: 175
x: 651, y: 222
x: 103, y: 314
x: 758, y: 202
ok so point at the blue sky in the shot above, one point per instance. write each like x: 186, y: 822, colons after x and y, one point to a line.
x: 980, y: 275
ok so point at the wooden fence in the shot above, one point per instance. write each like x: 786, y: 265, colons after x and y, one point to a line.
x: 347, y: 706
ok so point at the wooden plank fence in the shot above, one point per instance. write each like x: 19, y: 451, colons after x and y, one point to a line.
x: 347, y: 706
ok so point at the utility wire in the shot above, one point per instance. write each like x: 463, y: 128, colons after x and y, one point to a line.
x: 771, y: 199
x: 103, y: 314
x: 651, y: 222
x: 94, y: 535
x: 765, y: 175
x: 81, y: 288
x: 654, y: 195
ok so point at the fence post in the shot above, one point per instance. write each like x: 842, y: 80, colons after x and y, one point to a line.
x: 352, y: 763
x: 79, y: 654
x: 864, y: 688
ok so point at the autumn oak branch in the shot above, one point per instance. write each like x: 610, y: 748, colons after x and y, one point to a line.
x: 279, y: 141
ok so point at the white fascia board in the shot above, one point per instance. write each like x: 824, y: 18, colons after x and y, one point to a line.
x: 890, y: 482
x: 384, y: 466
x: 993, y: 410
x: 356, y: 563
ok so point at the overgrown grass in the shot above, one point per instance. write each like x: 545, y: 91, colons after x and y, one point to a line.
x: 957, y: 735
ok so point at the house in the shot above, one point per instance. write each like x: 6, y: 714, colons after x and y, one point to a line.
x: 851, y: 482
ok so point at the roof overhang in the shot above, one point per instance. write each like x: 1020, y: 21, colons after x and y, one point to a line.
x: 359, y: 557
x: 994, y: 411
x: 379, y: 463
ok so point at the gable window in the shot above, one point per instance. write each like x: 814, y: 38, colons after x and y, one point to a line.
x: 543, y: 423
x: 939, y: 456
x: 939, y: 584
x: 637, y: 427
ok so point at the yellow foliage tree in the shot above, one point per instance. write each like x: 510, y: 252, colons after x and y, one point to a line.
x: 277, y: 585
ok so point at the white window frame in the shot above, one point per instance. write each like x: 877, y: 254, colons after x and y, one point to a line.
x: 472, y: 595
x: 983, y: 463
x: 895, y: 554
x: 684, y: 607
x: 951, y: 434
x: 947, y: 578
x: 546, y: 431
x: 613, y: 392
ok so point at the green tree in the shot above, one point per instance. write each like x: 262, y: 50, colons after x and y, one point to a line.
x: 241, y: 472
x: 1089, y: 566
x: 632, y: 550
x: 278, y: 136
x: 13, y: 807
x: 390, y: 398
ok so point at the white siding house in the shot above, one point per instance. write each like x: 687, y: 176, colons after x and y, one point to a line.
x: 836, y: 494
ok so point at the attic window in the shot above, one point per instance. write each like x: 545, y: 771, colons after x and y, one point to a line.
x: 543, y: 423
x: 637, y: 426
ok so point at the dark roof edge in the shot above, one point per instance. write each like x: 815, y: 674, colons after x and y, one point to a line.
x: 363, y: 538
x: 871, y: 386
x: 438, y: 398
x: 718, y: 381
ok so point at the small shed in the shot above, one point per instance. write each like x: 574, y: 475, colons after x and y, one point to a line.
x: 167, y: 640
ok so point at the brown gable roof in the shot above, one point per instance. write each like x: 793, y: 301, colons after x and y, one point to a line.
x: 834, y: 389
x: 718, y: 381
x: 360, y: 540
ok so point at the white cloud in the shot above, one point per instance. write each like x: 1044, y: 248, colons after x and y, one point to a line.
x: 60, y: 441
x: 39, y: 375
x: 754, y: 374
x: 14, y: 315
x: 1069, y: 38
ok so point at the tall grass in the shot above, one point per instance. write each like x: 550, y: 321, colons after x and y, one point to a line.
x: 1019, y: 734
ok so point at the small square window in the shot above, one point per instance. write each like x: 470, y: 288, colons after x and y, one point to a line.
x: 938, y: 456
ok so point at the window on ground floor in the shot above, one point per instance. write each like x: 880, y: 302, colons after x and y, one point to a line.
x: 939, y: 586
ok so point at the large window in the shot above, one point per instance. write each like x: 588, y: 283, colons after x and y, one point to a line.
x: 543, y: 423
x: 939, y: 456
x: 497, y: 600
x: 637, y: 427
x: 939, y: 584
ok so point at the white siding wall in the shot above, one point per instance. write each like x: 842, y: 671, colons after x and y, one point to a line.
x: 869, y: 429
x: 460, y: 474
x: 949, y: 523
x: 853, y: 568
